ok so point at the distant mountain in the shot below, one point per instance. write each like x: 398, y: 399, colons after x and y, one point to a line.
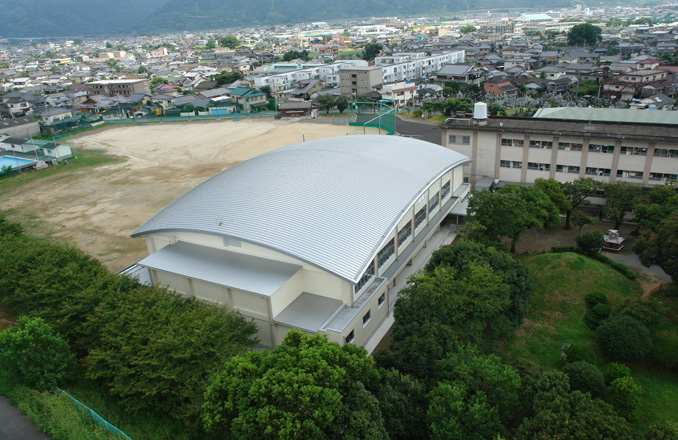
x: 71, y: 18
x: 214, y: 14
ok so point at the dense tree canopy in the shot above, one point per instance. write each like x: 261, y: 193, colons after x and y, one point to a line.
x: 370, y: 51
x: 304, y: 388
x: 559, y: 413
x: 475, y: 398
x: 293, y: 55
x: 33, y: 354
x: 439, y: 311
x: 229, y: 41
x: 584, y: 33
x: 514, y: 273
x: 508, y: 213
x: 661, y: 246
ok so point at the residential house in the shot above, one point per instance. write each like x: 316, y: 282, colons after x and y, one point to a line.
x: 248, y: 99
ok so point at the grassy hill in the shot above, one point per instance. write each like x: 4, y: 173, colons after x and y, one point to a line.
x: 556, y: 317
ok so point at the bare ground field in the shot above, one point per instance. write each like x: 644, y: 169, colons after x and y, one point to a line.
x: 97, y: 208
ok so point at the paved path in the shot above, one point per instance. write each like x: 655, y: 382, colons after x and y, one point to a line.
x: 16, y: 426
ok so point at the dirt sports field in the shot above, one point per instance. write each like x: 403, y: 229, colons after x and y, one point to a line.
x: 96, y: 208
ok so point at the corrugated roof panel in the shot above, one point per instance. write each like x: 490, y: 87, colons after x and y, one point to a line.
x: 309, y: 312
x: 232, y: 269
x: 330, y: 202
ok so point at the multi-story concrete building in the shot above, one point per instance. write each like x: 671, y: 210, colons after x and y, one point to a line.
x: 310, y: 236
x: 520, y: 150
x: 411, y: 66
x: 360, y: 80
x: 124, y: 87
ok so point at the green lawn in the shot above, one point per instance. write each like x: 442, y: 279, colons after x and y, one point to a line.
x: 556, y: 316
x: 85, y: 158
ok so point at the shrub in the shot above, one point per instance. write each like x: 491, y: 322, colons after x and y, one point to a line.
x: 577, y: 353
x: 586, y: 378
x: 596, y: 315
x: 623, y: 337
x: 628, y: 273
x: 624, y: 395
x: 590, y: 241
x: 662, y: 431
x: 644, y: 311
x: 616, y: 370
x: 35, y: 355
x: 595, y: 297
x: 417, y: 113
x: 563, y: 249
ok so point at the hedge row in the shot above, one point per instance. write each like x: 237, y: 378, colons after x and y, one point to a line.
x: 150, y: 348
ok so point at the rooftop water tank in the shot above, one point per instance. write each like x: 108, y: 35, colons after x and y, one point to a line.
x: 480, y: 110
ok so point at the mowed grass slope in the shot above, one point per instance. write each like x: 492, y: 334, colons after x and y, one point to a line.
x: 556, y: 315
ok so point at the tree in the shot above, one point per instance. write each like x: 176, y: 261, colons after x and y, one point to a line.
x: 228, y: 77
x: 326, y: 102
x: 621, y: 198
x: 35, y: 355
x: 586, y: 378
x: 576, y: 193
x: 579, y: 219
x: 624, y: 395
x: 497, y: 110
x: 341, y: 103
x: 155, y: 350
x: 142, y: 69
x: 513, y: 272
x: 188, y: 107
x: 293, y: 55
x: 590, y: 241
x: 304, y: 388
x: 584, y: 33
x: 624, y: 338
x: 158, y: 80
x: 453, y: 105
x: 439, y: 311
x: 466, y: 29
x: 554, y: 190
x: 210, y: 44
x: 655, y: 204
x: 508, y: 213
x: 370, y: 51
x: 265, y: 89
x: 614, y: 22
x: 559, y: 413
x: 229, y: 41
x: 471, y: 381
x: 403, y: 404
x: 661, y: 247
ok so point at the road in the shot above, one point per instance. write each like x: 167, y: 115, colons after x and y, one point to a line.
x: 16, y: 426
x: 419, y: 130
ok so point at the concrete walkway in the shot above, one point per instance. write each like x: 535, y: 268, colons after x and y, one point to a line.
x: 16, y: 426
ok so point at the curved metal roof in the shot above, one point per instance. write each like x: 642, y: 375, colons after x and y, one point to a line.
x: 329, y: 202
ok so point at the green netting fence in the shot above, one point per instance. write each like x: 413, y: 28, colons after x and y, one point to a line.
x: 97, y: 418
x: 373, y: 114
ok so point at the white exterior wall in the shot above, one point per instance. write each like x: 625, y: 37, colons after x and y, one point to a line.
x: 263, y: 309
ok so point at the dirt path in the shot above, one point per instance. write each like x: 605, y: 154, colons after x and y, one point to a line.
x: 96, y: 209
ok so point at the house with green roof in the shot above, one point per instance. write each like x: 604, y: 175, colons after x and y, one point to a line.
x: 248, y: 99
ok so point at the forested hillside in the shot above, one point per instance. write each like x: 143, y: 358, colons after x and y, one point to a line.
x: 69, y: 18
